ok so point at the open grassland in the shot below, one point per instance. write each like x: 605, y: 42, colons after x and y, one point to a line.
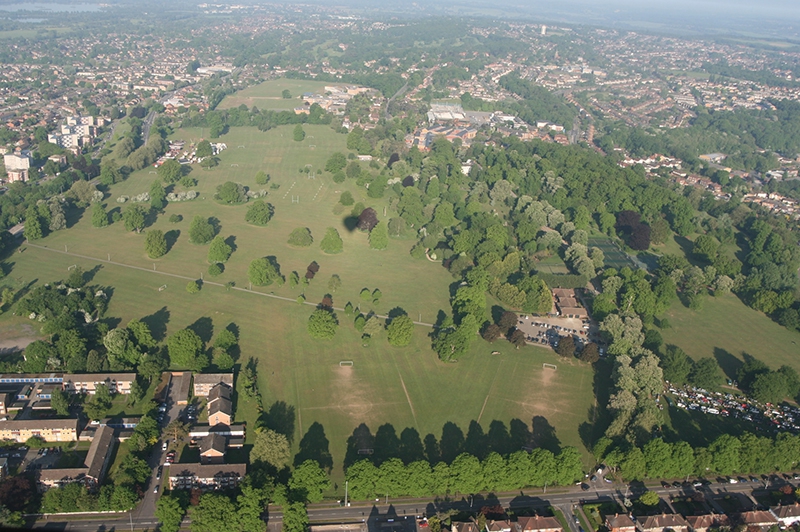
x: 268, y: 95
x: 405, y: 387
x: 726, y: 328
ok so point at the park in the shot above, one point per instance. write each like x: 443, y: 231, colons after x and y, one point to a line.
x: 404, y: 387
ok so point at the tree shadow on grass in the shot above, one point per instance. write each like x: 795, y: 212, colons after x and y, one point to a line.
x: 314, y: 446
x: 350, y: 223
x: 411, y: 449
x: 360, y: 444
x: 730, y: 364
x: 231, y: 241
x: 171, y: 237
x: 204, y: 328
x: 157, y: 323
x: 544, y: 435
x: 280, y: 418
x: 73, y: 215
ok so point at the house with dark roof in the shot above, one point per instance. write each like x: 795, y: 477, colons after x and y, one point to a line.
x: 469, y: 526
x: 537, y: 523
x: 620, y: 523
x: 212, y: 449
x: 703, y: 523
x: 56, y: 478
x: 220, y: 407
x: 787, y: 515
x: 99, y: 455
x: 664, y: 523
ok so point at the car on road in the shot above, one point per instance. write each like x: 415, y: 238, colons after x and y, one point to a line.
x: 676, y: 484
x: 577, y: 521
x: 155, y: 490
x: 732, y: 481
x: 665, y: 485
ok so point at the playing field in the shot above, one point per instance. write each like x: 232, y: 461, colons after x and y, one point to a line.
x: 406, y: 387
x: 268, y: 95
x: 725, y: 328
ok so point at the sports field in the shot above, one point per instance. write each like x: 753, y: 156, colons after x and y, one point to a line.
x: 406, y: 387
x: 268, y: 95
x: 726, y: 328
x: 614, y: 257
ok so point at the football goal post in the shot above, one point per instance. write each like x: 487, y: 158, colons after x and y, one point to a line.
x: 549, y: 366
x: 162, y: 288
x: 346, y: 363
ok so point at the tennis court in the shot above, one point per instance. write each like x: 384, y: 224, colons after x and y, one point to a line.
x: 615, y: 257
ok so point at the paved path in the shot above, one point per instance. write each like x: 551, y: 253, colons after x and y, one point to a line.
x: 175, y: 275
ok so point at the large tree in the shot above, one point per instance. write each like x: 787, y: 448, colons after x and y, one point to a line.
x: 322, y: 324
x: 331, y: 242
x: 155, y: 243
x: 200, y: 230
x: 264, y: 272
x: 171, y: 171
x: 309, y: 481
x: 367, y: 219
x: 219, y: 251
x: 301, y: 237
x: 186, y: 350
x: 270, y: 447
x: 134, y: 218
x: 169, y: 513
x: 400, y: 331
x: 259, y: 213
x: 379, y: 236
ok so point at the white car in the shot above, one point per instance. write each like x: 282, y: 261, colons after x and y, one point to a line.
x: 164, y: 446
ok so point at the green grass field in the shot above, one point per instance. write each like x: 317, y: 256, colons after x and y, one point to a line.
x: 725, y: 328
x: 405, y: 387
x: 267, y: 95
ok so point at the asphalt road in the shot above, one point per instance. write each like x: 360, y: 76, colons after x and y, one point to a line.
x: 147, y: 125
x: 565, y: 499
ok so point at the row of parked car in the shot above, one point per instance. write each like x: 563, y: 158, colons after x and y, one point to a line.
x: 763, y: 416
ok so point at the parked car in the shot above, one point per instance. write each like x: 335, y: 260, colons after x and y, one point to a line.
x: 158, y: 472
x: 164, y: 446
x: 155, y: 490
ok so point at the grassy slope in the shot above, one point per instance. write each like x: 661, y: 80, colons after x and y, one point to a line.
x: 725, y: 328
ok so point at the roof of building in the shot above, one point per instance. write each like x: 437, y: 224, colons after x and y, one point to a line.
x: 496, y: 526
x: 213, y: 378
x: 620, y: 521
x: 464, y: 527
x: 212, y: 444
x: 538, y: 522
x: 219, y: 391
x: 221, y: 405
x: 782, y: 512
x: 98, y: 451
x: 207, y: 470
x: 99, y: 377
x: 758, y: 517
x: 663, y: 521
x: 39, y: 424
x: 181, y: 383
x: 199, y: 431
x: 708, y: 521
x: 56, y: 475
